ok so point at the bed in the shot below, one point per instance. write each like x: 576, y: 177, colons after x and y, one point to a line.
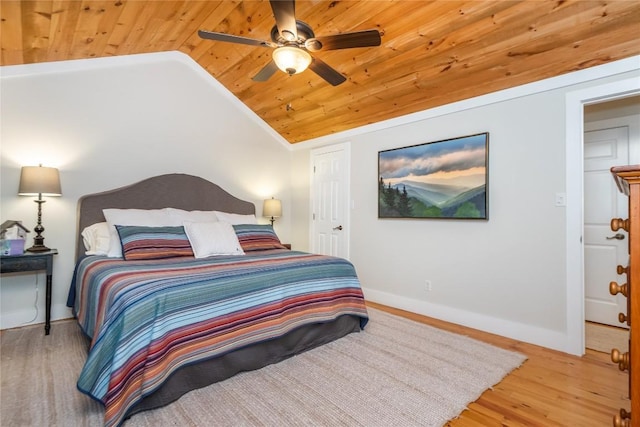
x: 161, y: 321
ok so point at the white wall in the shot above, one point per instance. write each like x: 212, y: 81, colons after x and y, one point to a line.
x: 507, y: 275
x: 111, y: 122
x: 628, y: 106
x: 516, y: 256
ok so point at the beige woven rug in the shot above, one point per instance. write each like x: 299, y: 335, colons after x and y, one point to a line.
x: 395, y: 373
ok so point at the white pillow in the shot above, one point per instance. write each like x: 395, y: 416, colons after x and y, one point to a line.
x: 192, y: 216
x: 212, y: 238
x: 96, y: 238
x: 141, y: 217
x: 236, y: 219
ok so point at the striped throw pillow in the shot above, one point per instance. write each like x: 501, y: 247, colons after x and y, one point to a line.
x: 257, y: 237
x: 142, y: 243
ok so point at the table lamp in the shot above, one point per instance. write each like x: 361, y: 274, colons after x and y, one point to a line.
x: 39, y: 181
x: 272, y: 208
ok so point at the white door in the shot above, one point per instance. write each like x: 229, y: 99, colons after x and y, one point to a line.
x: 604, y: 250
x: 329, y: 200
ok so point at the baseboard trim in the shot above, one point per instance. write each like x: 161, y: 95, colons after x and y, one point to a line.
x: 551, y: 339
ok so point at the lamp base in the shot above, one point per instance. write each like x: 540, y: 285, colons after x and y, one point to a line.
x: 35, y: 248
x: 38, y: 241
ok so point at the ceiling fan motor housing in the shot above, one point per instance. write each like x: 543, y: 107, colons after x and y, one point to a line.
x: 304, y: 33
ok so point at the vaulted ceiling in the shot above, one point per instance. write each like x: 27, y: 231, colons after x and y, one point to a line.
x: 432, y: 52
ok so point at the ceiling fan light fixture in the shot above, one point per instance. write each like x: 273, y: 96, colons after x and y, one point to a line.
x: 291, y: 60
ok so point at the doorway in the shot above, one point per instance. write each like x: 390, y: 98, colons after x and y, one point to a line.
x: 330, y: 186
x: 574, y: 116
x: 610, y: 139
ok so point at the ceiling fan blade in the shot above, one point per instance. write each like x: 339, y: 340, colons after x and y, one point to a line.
x: 222, y: 37
x: 285, y: 13
x: 266, y: 72
x: 326, y: 72
x: 345, y: 41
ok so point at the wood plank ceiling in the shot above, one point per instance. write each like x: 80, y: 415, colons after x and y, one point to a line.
x: 432, y: 52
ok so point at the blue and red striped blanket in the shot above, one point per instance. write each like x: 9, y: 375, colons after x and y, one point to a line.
x: 146, y: 319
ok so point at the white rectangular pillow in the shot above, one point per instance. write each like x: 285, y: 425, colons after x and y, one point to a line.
x: 212, y: 238
x: 141, y: 217
x: 96, y: 239
x: 236, y: 219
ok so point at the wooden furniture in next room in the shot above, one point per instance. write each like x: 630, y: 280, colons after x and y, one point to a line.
x: 628, y: 180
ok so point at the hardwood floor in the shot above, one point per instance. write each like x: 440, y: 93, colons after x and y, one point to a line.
x: 603, y: 338
x: 550, y: 389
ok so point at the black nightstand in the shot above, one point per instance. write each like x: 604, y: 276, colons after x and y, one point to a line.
x: 33, y: 261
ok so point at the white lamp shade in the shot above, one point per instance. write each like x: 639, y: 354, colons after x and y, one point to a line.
x: 36, y: 180
x: 291, y: 60
x: 272, y: 208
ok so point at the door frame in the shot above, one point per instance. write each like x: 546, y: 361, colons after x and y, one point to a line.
x: 575, y: 102
x: 345, y: 147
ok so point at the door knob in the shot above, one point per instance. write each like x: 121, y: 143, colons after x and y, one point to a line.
x: 618, y: 236
x: 338, y: 228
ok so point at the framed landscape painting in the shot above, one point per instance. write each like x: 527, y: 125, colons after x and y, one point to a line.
x: 442, y: 179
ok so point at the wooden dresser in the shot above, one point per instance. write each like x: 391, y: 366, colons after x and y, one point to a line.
x: 628, y: 181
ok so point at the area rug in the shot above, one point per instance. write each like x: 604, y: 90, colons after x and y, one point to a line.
x: 394, y: 373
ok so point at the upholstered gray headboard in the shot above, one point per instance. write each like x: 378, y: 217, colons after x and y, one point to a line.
x: 172, y: 190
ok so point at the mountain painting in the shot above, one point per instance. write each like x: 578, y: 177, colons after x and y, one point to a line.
x: 442, y: 179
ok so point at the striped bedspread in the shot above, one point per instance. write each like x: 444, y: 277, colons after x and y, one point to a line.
x: 146, y: 319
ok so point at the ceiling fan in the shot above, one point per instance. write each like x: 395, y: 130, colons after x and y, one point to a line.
x: 293, y: 40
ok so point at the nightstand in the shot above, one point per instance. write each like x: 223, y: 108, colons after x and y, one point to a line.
x: 33, y: 261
